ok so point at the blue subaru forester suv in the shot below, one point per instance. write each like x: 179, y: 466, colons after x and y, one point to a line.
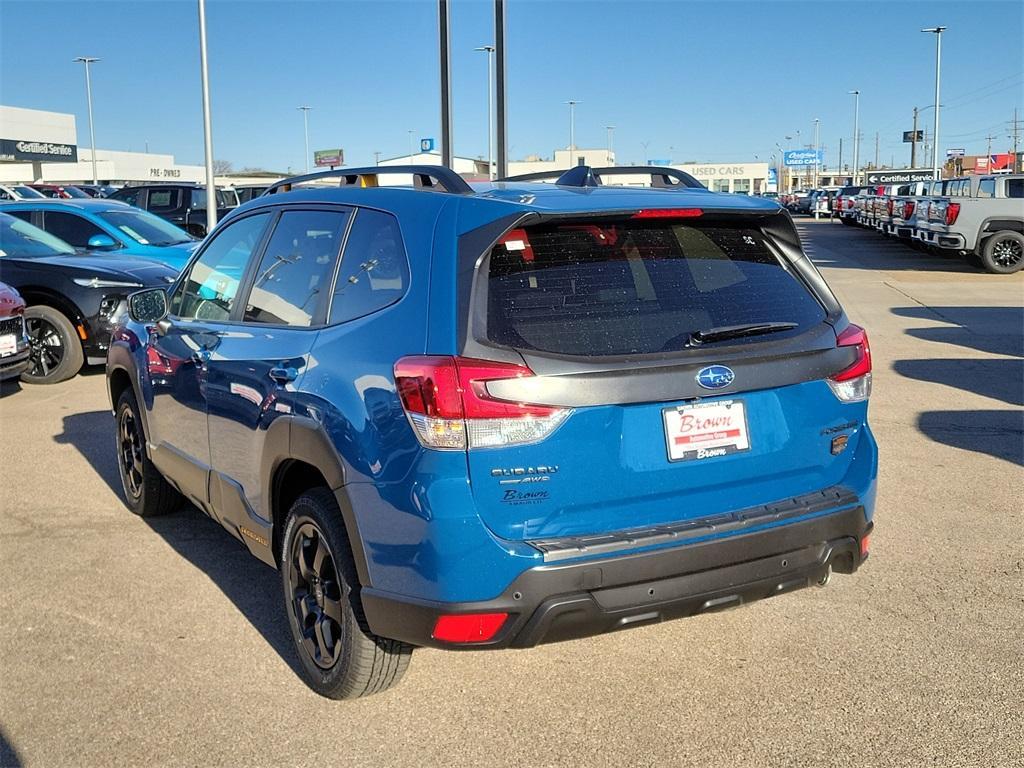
x: 501, y: 415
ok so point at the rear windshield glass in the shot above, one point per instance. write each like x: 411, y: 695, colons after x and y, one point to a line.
x: 637, y: 287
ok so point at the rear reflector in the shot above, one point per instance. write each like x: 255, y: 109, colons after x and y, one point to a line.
x: 469, y: 627
x: 865, y: 545
x: 449, y: 407
x: 853, y: 383
x: 668, y: 213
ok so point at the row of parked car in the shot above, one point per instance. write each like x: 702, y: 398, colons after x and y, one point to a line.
x: 182, y: 204
x: 980, y: 218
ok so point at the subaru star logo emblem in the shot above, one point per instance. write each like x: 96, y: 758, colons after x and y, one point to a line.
x: 715, y: 377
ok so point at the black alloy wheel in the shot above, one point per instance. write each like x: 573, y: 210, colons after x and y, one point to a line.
x: 47, y: 345
x: 1008, y: 253
x: 316, y: 595
x: 130, y: 453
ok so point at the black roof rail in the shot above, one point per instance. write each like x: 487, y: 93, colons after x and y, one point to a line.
x: 436, y: 177
x: 661, y: 177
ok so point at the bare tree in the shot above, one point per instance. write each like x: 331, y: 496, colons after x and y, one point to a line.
x: 220, y: 167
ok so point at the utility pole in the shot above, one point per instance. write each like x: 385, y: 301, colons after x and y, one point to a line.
x: 937, y: 31
x: 305, y: 126
x: 913, y: 142
x: 1015, y: 127
x: 87, y: 60
x: 988, y: 152
x: 856, y: 133
x: 376, y: 157
x: 410, y: 145
x: 841, y: 159
x: 876, y: 150
x: 611, y: 130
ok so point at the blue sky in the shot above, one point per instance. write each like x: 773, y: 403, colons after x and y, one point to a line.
x: 706, y: 81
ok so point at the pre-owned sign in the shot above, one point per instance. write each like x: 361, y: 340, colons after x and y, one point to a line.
x: 20, y: 150
x: 897, y: 176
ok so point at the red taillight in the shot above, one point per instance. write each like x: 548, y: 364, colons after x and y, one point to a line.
x: 469, y: 627
x: 449, y: 406
x: 952, y: 211
x: 854, y: 336
x: 849, y: 204
x: 668, y: 213
x: 889, y: 205
x: 865, y: 546
x: 908, y: 209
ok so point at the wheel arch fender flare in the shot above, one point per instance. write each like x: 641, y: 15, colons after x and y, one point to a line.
x: 302, y: 439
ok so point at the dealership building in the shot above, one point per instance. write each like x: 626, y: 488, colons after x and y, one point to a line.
x: 38, y: 146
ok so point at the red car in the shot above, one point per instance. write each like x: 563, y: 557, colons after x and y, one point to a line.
x: 14, y: 346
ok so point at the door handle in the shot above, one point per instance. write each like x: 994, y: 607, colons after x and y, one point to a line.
x: 283, y: 375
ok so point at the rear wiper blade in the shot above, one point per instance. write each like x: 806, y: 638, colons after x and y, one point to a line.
x: 737, y: 331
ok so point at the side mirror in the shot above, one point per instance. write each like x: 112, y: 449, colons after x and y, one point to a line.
x: 149, y: 306
x: 101, y: 243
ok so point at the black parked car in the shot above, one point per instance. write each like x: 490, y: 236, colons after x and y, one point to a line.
x: 73, y: 298
x: 181, y: 204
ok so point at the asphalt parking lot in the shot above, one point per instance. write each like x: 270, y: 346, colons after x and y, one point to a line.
x: 163, y: 642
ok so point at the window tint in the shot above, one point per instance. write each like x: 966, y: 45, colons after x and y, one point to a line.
x: 130, y: 196
x: 70, y: 228
x: 374, y: 270
x: 209, y: 291
x: 987, y: 188
x: 163, y: 199
x: 296, y: 269
x: 1015, y: 187
x: 23, y: 215
x: 636, y: 288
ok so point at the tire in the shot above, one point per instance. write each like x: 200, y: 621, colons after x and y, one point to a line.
x: 340, y: 657
x: 1003, y: 253
x: 146, y: 492
x: 56, y: 351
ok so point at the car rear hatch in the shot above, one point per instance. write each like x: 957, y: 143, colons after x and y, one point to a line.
x: 647, y: 370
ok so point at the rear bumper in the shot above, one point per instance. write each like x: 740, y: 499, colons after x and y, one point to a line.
x: 556, y: 602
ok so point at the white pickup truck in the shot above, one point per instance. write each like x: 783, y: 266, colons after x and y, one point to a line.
x: 988, y: 225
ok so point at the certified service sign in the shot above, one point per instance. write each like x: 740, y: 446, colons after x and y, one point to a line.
x: 20, y: 150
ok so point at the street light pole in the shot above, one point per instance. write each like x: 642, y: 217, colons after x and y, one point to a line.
x: 305, y: 126
x: 489, y: 49
x: 572, y: 128
x: 410, y: 144
x: 611, y: 130
x: 87, y: 60
x: 856, y: 134
x: 817, y: 122
x: 937, y: 31
x: 211, y: 189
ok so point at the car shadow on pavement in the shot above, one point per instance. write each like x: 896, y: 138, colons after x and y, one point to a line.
x: 998, y: 379
x: 253, y: 587
x: 9, y: 757
x: 996, y: 330
x: 996, y: 433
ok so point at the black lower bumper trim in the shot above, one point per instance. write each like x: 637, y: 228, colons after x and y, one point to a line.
x: 564, y: 601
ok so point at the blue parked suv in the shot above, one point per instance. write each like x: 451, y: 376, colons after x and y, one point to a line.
x: 108, y: 225
x: 496, y: 416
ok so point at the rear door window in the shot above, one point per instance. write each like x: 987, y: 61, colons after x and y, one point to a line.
x: 164, y: 199
x: 1015, y: 187
x: 637, y: 287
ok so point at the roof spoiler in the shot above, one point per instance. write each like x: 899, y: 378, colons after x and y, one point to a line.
x: 439, y: 178
x: 584, y: 176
